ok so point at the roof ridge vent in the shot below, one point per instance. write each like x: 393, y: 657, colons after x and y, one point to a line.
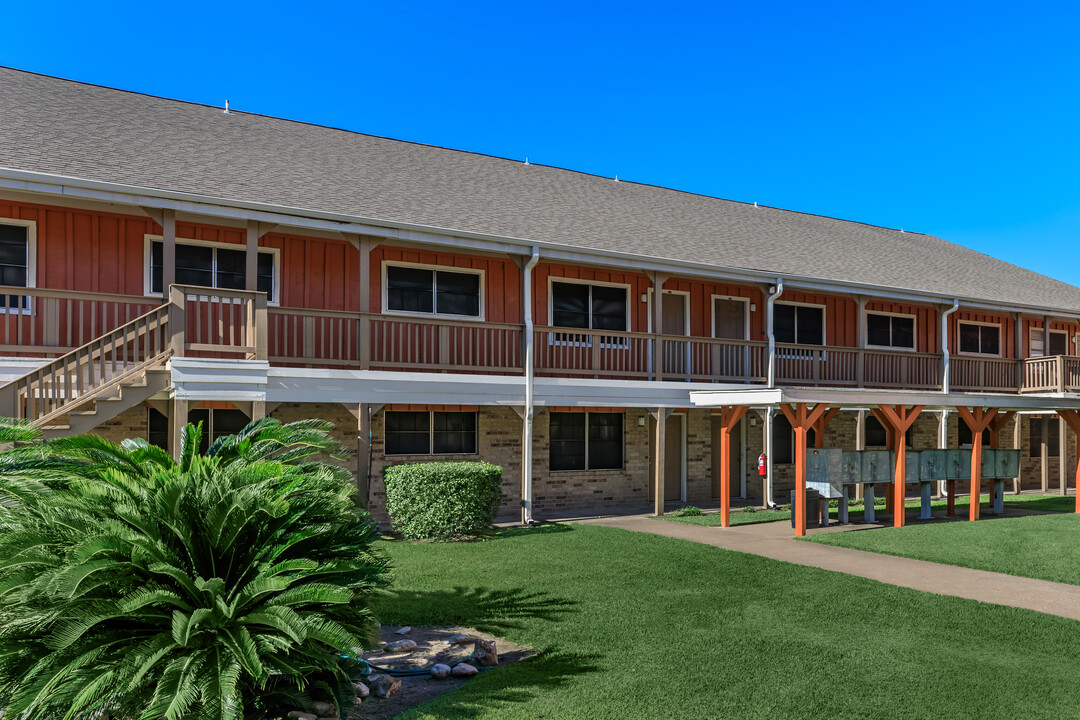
x: 227, y: 110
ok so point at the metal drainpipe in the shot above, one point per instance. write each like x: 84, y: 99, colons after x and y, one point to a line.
x: 769, y: 331
x: 768, y: 458
x: 945, y: 345
x: 527, y: 441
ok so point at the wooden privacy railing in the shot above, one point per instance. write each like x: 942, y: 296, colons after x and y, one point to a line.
x: 587, y: 353
x: 38, y: 322
x: 712, y: 360
x: 298, y: 336
x: 893, y: 369
x: 218, y: 323
x: 1056, y: 373
x: 971, y: 374
x: 443, y: 345
x: 91, y: 370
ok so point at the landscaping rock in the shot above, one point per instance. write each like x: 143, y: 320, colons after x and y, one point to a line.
x: 440, y: 671
x: 383, y: 685
x: 324, y: 709
x: 460, y: 639
x: 484, y: 652
x: 400, y: 646
x: 403, y: 631
x: 301, y: 715
x: 362, y: 690
x: 463, y: 670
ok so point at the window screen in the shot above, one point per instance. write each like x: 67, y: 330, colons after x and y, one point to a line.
x: 568, y: 441
x: 596, y: 307
x: 14, y: 255
x: 605, y: 441
x: 424, y: 290
x: 208, y: 266
x: 430, y: 433
x: 799, y: 324
x: 454, y: 433
x: 981, y: 339
x: 407, y: 433
x: 890, y: 331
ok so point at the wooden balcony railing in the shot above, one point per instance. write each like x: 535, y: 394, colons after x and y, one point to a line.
x: 210, y: 322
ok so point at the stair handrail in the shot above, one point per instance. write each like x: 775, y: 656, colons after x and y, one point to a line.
x: 13, y: 392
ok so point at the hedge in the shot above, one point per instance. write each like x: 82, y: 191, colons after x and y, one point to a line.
x: 442, y: 499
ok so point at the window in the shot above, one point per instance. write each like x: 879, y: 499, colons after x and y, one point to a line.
x: 589, y: 307
x: 1059, y: 343
x: 586, y: 441
x: 980, y: 339
x: 212, y: 266
x: 1038, y: 427
x: 965, y: 437
x: 875, y: 435
x: 429, y: 433
x: 783, y: 440
x: 215, y: 424
x: 799, y: 324
x: 432, y: 291
x: 891, y: 331
x: 14, y: 263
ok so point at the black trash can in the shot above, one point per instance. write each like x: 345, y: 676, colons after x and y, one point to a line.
x: 813, y: 508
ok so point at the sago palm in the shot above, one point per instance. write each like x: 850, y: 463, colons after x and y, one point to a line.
x: 211, y: 587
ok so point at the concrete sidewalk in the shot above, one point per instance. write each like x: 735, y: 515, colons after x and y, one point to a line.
x: 773, y: 540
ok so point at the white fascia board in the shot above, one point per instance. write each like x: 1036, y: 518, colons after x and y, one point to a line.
x: 338, y: 222
x: 311, y: 385
x: 578, y: 392
x: 15, y: 368
x: 201, y: 379
x: 872, y: 398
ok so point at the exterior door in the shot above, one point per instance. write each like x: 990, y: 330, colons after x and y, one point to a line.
x: 674, y: 323
x: 673, y: 457
x: 729, y: 323
x: 737, y: 451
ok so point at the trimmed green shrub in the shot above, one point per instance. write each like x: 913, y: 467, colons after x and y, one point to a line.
x: 687, y: 511
x: 441, y: 500
x: 221, y: 586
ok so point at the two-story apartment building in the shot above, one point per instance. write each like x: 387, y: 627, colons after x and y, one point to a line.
x: 610, y: 344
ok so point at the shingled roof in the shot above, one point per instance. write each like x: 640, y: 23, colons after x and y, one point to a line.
x: 61, y: 127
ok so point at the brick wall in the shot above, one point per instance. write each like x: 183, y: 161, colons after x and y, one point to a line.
x: 132, y: 423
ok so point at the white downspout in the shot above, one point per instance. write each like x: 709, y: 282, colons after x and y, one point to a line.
x: 772, y: 337
x: 527, y: 439
x: 769, y: 412
x: 945, y: 346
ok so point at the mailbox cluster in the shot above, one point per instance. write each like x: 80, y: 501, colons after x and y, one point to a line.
x: 832, y: 472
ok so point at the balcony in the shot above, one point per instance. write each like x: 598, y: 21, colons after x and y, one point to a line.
x: 223, y: 323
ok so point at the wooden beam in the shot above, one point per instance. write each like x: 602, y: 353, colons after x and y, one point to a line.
x: 977, y: 419
x: 821, y: 424
x: 730, y: 415
x: 661, y: 415
x: 1072, y: 419
x: 168, y: 251
x: 801, y: 419
x: 178, y: 413
x: 899, y: 419
x: 251, y: 257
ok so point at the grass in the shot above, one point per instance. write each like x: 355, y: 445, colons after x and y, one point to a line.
x: 1046, y: 547
x: 1050, y: 503
x: 630, y: 625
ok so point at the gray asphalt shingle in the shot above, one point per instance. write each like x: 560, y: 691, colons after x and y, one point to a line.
x: 62, y: 127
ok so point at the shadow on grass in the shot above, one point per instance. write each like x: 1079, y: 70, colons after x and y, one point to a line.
x: 484, y: 609
x: 519, y: 683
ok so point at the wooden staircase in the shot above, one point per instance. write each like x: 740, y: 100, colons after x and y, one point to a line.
x: 94, y: 383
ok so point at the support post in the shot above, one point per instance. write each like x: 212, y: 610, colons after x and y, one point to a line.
x: 860, y: 443
x: 364, y: 245
x: 1044, y: 453
x: 661, y: 415
x: 1072, y: 419
x: 251, y: 257
x: 977, y: 419
x: 178, y: 413
x: 801, y: 420
x: 729, y: 419
x: 363, y: 453
x: 177, y: 320
x: 658, y: 280
x: 1016, y: 446
x: 168, y: 249
x: 899, y: 419
x: 1063, y: 450
x: 997, y: 488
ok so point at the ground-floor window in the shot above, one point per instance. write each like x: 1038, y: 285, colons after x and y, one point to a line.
x: 875, y: 435
x: 429, y: 432
x: 783, y: 440
x: 586, y: 441
x: 215, y: 423
x: 965, y: 436
x: 1044, y: 428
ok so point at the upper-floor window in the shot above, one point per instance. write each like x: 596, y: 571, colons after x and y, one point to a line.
x: 589, y: 307
x: 16, y: 252
x: 429, y: 433
x: 980, y: 338
x: 216, y: 266
x: 799, y: 324
x: 419, y: 289
x: 890, y: 331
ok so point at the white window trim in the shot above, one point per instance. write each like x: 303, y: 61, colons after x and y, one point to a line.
x: 914, y: 331
x: 425, y: 266
x: 148, y: 239
x: 1001, y: 338
x: 712, y: 315
x: 621, y: 342
x: 31, y: 260
x: 587, y: 413
x: 824, y: 322
x: 431, y: 436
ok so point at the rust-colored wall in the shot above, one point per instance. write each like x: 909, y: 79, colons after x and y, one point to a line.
x: 1069, y: 328
x: 701, y: 304
x: 840, y: 315
x: 639, y: 313
x: 1008, y: 332
x: 927, y: 329
x: 502, y: 278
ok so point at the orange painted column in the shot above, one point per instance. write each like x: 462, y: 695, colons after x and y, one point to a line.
x: 800, y: 481
x: 729, y: 418
x: 1072, y: 419
x: 976, y: 475
x: 899, y: 488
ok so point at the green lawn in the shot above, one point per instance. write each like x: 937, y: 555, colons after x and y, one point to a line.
x: 1038, y: 546
x: 1051, y: 503
x: 629, y: 625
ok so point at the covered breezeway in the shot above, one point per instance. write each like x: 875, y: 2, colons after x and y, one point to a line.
x: 896, y: 410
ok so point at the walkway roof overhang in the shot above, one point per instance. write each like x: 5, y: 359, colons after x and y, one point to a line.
x: 839, y: 397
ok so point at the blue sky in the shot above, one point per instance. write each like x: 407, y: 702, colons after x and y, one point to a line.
x: 957, y: 119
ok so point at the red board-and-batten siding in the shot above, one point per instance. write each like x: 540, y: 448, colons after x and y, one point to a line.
x: 96, y: 251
